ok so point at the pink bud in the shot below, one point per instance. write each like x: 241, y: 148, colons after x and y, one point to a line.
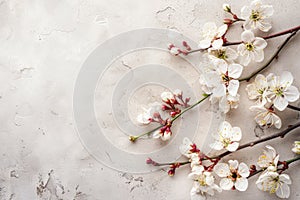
x: 170, y: 46
x: 149, y: 161
x: 227, y: 21
x: 171, y: 172
x: 173, y: 114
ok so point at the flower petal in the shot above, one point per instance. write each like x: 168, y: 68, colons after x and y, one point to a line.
x: 233, y: 164
x: 235, y: 70
x: 271, y: 152
x: 233, y: 87
x: 286, y: 79
x: 291, y: 94
x: 185, y: 147
x: 280, y: 103
x: 267, y: 10
x: 285, y: 178
x: 259, y: 43
x: 217, y: 145
x: 219, y: 91
x: 245, y: 57
x: 166, y: 136
x: 196, y: 195
x: 283, y: 191
x: 204, y: 44
x: 233, y: 146
x: 226, y: 184
x: 222, y: 170
x: 245, y: 12
x: 224, y: 128
x: 243, y: 170
x: 248, y: 24
x: 258, y: 55
x: 264, y: 25
x: 231, y: 54
x: 217, y: 44
x: 277, y: 121
x: 156, y: 134
x: 247, y: 36
x: 241, y: 184
x: 236, y: 134
x: 222, y: 30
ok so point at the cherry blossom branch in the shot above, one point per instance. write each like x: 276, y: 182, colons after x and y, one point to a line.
x: 270, y: 60
x: 285, y: 163
x: 134, y: 138
x: 292, y: 30
x: 293, y: 107
x: 216, y: 159
x: 271, y: 137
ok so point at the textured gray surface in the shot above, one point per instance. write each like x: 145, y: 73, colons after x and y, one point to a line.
x: 43, y: 45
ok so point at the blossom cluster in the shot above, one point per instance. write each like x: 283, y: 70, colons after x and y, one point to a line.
x: 223, y: 66
x: 272, y: 179
x: 203, y: 170
x: 271, y: 92
x: 162, y: 114
x: 234, y: 175
x: 220, y: 77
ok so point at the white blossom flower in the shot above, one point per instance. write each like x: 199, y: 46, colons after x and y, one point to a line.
x: 257, y: 16
x: 144, y: 118
x: 147, y: 116
x: 168, y: 97
x: 296, y: 148
x: 187, y: 148
x: 227, y: 138
x: 266, y: 116
x: 164, y: 136
x: 203, y: 183
x: 251, y: 48
x: 281, y: 90
x: 224, y: 78
x: 257, y: 89
x: 211, y: 35
x: 269, y: 159
x: 175, y: 51
x: 225, y: 53
x: 274, y: 182
x: 195, y: 160
x: 228, y: 102
x: 233, y: 175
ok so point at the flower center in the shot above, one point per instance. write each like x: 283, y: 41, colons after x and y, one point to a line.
x: 202, y: 181
x: 226, y: 142
x: 220, y: 54
x: 274, y: 185
x: 249, y: 46
x: 225, y: 78
x: 260, y: 91
x: 279, y: 91
x: 255, y: 15
x: 234, y: 174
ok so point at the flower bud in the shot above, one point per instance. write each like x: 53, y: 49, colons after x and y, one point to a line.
x: 171, y: 172
x: 227, y: 21
x: 296, y: 148
x: 226, y: 7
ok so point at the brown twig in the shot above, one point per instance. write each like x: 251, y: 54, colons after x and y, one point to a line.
x: 251, y: 144
x: 265, y: 37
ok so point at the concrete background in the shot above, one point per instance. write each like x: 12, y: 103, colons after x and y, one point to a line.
x: 43, y: 45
